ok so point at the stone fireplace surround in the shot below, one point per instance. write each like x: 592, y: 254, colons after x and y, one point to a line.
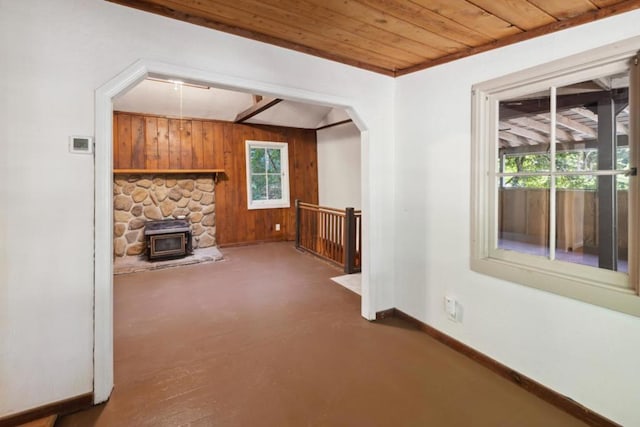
x: 138, y: 198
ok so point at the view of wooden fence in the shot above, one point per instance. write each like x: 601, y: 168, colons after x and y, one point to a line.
x: 333, y: 234
x: 524, y: 217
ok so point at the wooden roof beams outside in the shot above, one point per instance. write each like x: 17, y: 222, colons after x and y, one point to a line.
x: 528, y: 122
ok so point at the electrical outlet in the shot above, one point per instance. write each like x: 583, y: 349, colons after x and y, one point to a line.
x: 450, y: 307
x: 277, y: 227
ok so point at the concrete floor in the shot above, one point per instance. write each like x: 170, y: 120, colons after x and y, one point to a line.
x: 265, y: 338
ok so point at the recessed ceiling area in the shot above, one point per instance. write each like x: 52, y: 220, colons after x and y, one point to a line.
x: 163, y: 99
x: 175, y: 99
x: 392, y: 37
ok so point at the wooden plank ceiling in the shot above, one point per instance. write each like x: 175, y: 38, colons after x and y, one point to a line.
x: 392, y: 37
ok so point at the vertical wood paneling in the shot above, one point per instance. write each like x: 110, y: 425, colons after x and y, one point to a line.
x: 248, y: 217
x: 303, y: 155
x: 217, y: 160
x: 196, y: 143
x: 227, y: 193
x: 174, y: 144
x: 223, y: 230
x: 213, y: 144
x: 124, y: 142
x: 163, y: 143
x: 144, y: 141
x: 116, y: 139
x: 186, y: 145
x: 207, y: 144
x: 159, y: 143
x: 224, y: 191
x: 151, y: 143
x: 137, y: 142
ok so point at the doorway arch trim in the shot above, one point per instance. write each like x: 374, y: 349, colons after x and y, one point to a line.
x: 103, y: 194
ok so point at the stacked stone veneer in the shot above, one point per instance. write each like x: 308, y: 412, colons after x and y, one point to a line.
x: 139, y: 198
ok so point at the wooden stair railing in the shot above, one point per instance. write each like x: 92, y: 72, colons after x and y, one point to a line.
x: 330, y: 233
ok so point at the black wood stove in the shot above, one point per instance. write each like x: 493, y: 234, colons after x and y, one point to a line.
x: 168, y: 238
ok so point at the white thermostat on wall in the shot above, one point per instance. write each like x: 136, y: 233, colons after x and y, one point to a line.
x: 81, y: 144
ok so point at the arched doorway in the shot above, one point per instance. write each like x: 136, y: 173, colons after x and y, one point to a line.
x: 103, y: 202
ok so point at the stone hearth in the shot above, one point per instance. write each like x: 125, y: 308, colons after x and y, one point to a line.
x: 138, y: 198
x: 132, y: 264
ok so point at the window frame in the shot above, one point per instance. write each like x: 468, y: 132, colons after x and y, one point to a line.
x: 284, y: 201
x: 613, y: 290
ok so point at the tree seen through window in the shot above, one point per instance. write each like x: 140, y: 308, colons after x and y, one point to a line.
x: 266, y: 182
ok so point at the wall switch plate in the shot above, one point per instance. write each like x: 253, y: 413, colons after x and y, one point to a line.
x: 450, y: 308
x: 277, y: 227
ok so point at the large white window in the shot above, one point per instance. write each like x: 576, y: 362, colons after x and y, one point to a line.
x: 267, y: 175
x: 555, y: 192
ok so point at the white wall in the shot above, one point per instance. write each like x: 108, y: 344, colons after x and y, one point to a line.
x: 55, y: 54
x: 339, y: 166
x: 585, y: 352
x: 53, y: 57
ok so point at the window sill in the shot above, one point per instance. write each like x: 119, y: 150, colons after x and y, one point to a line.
x: 618, y: 299
x: 269, y: 206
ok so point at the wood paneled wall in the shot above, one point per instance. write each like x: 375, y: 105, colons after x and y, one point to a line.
x: 151, y: 142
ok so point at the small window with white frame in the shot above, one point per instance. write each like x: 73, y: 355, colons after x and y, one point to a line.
x: 555, y: 192
x: 267, y: 175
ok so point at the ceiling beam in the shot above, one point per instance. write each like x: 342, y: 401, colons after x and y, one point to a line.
x: 330, y: 125
x: 528, y: 107
x: 591, y: 144
x: 531, y: 136
x: 540, y: 126
x: 572, y: 125
x: 575, y: 126
x: 587, y: 114
x: 512, y: 140
x: 256, y: 109
x: 621, y: 128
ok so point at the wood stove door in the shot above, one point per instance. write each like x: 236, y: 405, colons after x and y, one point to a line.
x: 167, y: 245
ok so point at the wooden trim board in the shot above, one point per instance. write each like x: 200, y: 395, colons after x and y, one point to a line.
x: 166, y: 171
x: 545, y: 393
x: 60, y: 407
x: 250, y: 243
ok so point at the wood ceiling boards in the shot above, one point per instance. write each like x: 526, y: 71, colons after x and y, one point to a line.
x: 392, y: 37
